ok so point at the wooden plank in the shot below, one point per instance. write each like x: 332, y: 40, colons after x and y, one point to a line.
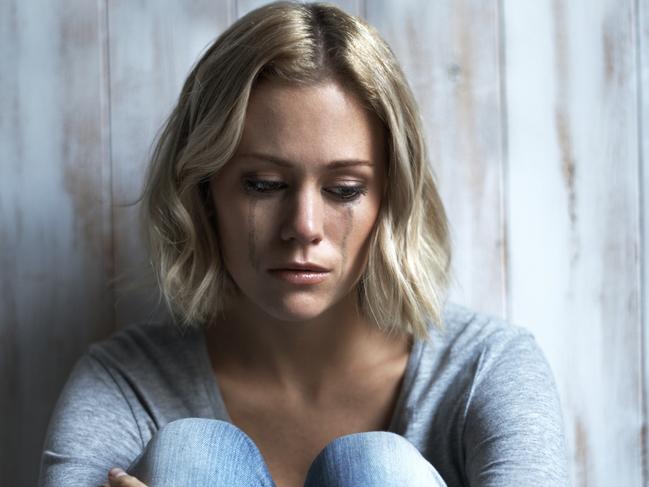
x: 573, y: 219
x: 643, y: 125
x: 152, y: 48
x: 450, y: 53
x: 55, y: 245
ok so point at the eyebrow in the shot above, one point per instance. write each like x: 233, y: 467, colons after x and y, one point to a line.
x: 286, y: 163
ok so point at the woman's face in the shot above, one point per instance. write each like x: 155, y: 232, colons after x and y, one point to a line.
x: 296, y: 204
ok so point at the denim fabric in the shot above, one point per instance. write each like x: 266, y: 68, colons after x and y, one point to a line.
x: 372, y: 459
x: 208, y: 452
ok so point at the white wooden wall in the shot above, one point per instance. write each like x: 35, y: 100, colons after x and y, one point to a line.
x: 537, y: 119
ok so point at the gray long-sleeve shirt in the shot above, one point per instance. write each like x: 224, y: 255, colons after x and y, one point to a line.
x: 478, y: 400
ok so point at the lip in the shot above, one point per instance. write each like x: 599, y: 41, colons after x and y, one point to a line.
x: 301, y: 274
x: 300, y: 266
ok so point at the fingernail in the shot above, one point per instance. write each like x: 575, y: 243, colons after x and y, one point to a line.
x: 116, y: 472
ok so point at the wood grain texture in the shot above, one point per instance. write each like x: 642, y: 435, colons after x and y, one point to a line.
x: 152, y: 48
x: 55, y: 242
x: 573, y: 218
x: 449, y: 51
x: 642, y: 38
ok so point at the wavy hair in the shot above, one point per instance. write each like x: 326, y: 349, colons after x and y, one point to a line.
x: 406, y: 279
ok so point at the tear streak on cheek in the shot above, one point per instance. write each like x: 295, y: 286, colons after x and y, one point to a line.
x: 349, y: 219
x: 252, y: 235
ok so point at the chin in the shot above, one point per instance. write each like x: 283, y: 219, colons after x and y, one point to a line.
x: 297, y: 310
x: 295, y: 314
x: 297, y: 306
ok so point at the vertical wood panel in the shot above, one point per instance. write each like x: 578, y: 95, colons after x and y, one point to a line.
x: 152, y: 48
x: 54, y: 211
x: 642, y: 23
x: 573, y: 219
x: 450, y: 53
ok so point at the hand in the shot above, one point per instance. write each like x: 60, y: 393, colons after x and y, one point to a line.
x: 118, y: 478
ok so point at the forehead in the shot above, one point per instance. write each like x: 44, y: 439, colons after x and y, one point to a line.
x: 315, y: 123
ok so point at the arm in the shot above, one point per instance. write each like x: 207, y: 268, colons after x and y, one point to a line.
x: 92, y: 429
x: 513, y: 432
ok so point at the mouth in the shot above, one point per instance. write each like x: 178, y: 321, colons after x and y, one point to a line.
x: 301, y: 275
x: 300, y: 267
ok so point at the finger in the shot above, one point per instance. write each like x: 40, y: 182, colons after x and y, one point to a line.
x: 118, y: 478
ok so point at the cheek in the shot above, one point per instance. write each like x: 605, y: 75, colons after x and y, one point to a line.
x: 244, y: 230
x: 354, y: 225
x: 348, y: 221
x: 254, y: 231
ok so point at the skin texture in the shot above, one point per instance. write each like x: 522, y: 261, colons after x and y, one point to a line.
x: 305, y: 185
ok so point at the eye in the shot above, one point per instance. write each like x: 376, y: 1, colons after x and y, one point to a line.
x: 347, y: 193
x: 262, y: 186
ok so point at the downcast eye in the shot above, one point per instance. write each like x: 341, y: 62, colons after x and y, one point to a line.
x: 262, y: 186
x: 267, y: 187
x: 347, y: 193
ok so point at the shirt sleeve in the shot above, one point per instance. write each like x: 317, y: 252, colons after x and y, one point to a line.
x: 91, y: 430
x: 514, y: 432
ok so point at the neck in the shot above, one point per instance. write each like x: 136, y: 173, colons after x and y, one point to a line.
x: 305, y: 356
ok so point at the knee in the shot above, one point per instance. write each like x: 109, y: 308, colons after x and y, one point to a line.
x: 196, y: 442
x: 375, y: 444
x: 192, y: 429
x: 193, y: 435
x: 377, y: 448
x: 372, y: 458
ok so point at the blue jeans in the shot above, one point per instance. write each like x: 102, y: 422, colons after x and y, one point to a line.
x: 209, y: 452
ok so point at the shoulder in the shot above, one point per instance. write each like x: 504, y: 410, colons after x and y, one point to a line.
x: 466, y: 335
x: 512, y: 424
x: 145, y: 334
x: 487, y: 384
x: 500, y: 366
x: 465, y: 326
x: 157, y: 367
x: 161, y: 371
x: 465, y: 350
x: 472, y: 355
x: 155, y: 343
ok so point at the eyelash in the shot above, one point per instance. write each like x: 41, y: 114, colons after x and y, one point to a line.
x: 261, y: 187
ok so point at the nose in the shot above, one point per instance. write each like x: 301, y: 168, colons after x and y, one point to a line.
x: 304, y: 219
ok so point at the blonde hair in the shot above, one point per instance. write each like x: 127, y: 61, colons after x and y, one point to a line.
x: 407, y: 274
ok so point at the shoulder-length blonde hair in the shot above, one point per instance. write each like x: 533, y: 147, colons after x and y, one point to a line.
x: 406, y: 279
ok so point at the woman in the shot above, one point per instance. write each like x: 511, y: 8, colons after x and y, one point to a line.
x: 299, y: 238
